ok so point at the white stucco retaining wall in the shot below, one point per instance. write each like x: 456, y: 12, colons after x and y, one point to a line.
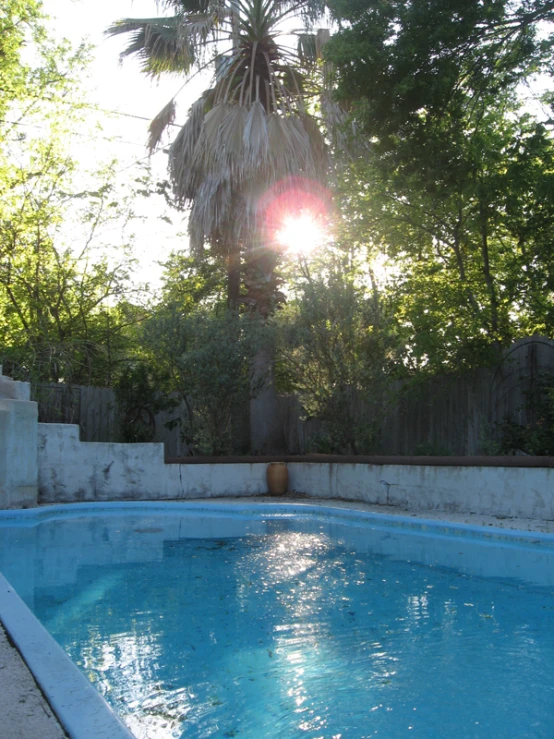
x: 18, y: 445
x: 521, y: 492
x: 70, y: 471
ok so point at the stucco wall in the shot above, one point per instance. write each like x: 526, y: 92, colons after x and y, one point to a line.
x: 18, y: 445
x: 70, y: 470
x: 523, y: 492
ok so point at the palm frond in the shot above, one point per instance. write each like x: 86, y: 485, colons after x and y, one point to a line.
x: 212, y: 126
x: 159, y: 124
x: 183, y: 149
x: 232, y: 134
x: 307, y: 47
x: 157, y: 42
x: 255, y: 137
x: 195, y: 31
x: 210, y: 211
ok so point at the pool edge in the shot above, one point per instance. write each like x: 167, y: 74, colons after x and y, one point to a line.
x: 80, y: 709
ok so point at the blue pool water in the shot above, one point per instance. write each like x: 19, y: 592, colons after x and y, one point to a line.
x: 290, y: 623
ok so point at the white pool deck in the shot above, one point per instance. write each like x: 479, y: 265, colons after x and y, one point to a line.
x: 24, y: 710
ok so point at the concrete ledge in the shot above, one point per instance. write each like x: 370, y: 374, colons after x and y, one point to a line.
x: 508, y: 461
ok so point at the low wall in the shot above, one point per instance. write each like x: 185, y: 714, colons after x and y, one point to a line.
x: 70, y: 471
x: 18, y: 445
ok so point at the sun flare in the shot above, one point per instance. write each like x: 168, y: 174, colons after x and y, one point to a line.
x: 300, y: 234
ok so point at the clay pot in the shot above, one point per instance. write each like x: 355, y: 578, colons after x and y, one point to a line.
x: 277, y: 478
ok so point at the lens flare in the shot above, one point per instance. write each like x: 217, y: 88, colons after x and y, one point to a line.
x: 300, y: 234
x: 295, y: 216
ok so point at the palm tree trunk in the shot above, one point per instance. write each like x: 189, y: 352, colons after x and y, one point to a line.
x: 233, y: 276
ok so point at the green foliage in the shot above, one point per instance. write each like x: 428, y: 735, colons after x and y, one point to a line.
x: 206, y: 356
x: 402, y: 61
x: 138, y: 401
x: 466, y: 217
x: 537, y: 437
x: 336, y: 350
x: 456, y: 188
x: 64, y: 313
x: 19, y: 20
x: 65, y: 310
x: 190, y: 281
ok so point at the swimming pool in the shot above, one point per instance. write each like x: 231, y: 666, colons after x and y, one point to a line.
x: 208, y: 620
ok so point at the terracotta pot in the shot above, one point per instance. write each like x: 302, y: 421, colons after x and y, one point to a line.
x: 277, y: 478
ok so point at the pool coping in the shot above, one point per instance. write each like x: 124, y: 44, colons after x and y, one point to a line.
x: 81, y: 710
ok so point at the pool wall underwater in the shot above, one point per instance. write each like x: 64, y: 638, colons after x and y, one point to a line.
x: 72, y: 471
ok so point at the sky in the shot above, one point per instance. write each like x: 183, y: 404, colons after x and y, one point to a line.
x: 132, y: 100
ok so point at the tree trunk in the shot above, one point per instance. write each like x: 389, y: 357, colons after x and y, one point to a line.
x: 233, y: 276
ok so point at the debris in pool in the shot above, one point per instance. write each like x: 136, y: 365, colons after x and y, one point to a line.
x: 148, y: 530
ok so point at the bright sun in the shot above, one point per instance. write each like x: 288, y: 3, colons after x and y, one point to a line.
x: 300, y: 234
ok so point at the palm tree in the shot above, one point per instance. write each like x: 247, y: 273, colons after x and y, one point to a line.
x: 250, y: 138
x: 252, y: 131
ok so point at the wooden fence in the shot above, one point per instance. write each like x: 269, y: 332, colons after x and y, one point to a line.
x: 447, y: 415
x: 95, y: 411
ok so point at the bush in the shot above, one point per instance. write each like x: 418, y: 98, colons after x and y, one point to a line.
x: 335, y: 350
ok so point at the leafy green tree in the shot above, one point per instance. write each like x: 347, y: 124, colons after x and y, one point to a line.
x: 65, y: 309
x: 399, y: 59
x: 337, y: 350
x: 205, y: 355
x: 189, y: 281
x: 465, y: 215
x: 19, y: 20
x: 456, y: 184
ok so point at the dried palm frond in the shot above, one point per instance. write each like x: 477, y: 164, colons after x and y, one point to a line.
x: 157, y: 127
x: 286, y: 156
x: 210, y: 210
x: 279, y: 141
x: 208, y: 157
x: 182, y: 151
x: 232, y: 136
x: 299, y: 140
x: 255, y: 137
x: 212, y: 126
